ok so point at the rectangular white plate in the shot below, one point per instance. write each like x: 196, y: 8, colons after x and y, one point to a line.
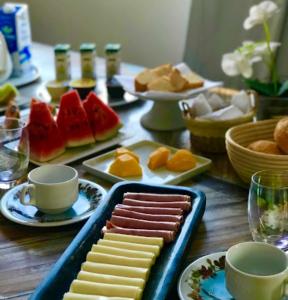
x: 99, y: 166
x: 72, y: 154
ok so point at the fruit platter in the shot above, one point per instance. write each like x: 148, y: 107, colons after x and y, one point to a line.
x: 77, y: 129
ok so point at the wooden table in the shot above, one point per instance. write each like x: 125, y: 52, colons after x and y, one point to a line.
x: 27, y: 254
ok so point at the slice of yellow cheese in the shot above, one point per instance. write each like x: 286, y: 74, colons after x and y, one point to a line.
x: 123, y: 252
x: 105, y: 289
x: 134, y: 239
x: 105, y: 278
x: 76, y: 296
x: 130, y: 246
x: 119, y: 260
x: 125, y: 271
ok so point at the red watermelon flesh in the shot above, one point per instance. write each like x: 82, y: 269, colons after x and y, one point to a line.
x: 46, y: 141
x: 103, y: 120
x: 73, y: 122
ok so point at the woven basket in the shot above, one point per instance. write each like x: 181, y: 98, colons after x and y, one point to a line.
x: 247, y: 162
x: 209, y: 135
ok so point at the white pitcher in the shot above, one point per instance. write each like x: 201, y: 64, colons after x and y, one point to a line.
x: 5, y: 60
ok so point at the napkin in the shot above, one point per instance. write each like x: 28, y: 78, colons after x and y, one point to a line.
x: 128, y: 85
x: 242, y: 101
x: 226, y: 113
x: 5, y: 60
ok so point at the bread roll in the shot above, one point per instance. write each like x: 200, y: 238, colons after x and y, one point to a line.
x: 177, y: 80
x: 162, y: 84
x: 281, y: 135
x: 264, y: 146
x: 143, y: 79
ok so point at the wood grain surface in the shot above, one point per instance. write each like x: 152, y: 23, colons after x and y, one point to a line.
x: 27, y: 254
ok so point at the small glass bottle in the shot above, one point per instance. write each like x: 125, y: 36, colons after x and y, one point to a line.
x: 113, y: 60
x: 88, y: 60
x: 62, y: 62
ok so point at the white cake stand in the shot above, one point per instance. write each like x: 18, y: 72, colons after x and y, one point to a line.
x: 163, y: 115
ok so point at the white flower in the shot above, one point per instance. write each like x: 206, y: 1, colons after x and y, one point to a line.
x: 236, y: 63
x: 273, y: 218
x: 260, y: 13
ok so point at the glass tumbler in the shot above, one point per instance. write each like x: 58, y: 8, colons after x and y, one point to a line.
x: 268, y: 207
x: 14, y: 152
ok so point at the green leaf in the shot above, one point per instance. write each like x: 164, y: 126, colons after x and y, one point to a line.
x: 263, y: 88
x: 284, y: 88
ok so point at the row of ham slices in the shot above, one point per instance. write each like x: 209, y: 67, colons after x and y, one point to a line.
x: 151, y: 215
x: 118, y: 266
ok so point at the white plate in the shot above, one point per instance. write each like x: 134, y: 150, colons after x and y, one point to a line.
x: 128, y: 85
x: 100, y: 164
x: 90, y: 195
x: 32, y: 75
x: 75, y: 153
x: 209, y: 283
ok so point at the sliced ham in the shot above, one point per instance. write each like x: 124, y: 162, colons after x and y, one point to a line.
x: 143, y: 224
x: 183, y: 205
x: 143, y: 216
x: 152, y: 210
x: 158, y: 197
x: 167, y: 235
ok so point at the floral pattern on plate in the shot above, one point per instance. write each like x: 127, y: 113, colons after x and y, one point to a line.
x: 90, y: 195
x: 204, y: 279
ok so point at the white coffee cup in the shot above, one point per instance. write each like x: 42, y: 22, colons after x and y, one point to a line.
x: 256, y: 271
x: 51, y: 188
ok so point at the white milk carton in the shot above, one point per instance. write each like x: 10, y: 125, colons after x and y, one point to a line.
x: 15, y: 26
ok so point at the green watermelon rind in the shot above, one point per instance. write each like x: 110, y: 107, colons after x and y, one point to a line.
x: 108, y: 134
x: 52, y: 155
x: 77, y: 143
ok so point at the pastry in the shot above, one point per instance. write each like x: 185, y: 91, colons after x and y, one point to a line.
x: 263, y: 146
x: 281, y: 135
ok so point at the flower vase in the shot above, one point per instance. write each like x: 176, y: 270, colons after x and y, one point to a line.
x: 269, y: 107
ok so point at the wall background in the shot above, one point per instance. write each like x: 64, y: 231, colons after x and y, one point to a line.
x: 151, y: 31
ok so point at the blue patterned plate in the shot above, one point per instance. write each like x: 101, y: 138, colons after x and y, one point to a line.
x: 90, y: 194
x: 204, y: 279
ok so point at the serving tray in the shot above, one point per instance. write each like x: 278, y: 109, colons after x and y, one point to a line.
x: 166, y: 269
x: 99, y: 165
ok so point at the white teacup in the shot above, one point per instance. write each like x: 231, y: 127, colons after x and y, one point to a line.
x: 51, y: 188
x: 256, y: 271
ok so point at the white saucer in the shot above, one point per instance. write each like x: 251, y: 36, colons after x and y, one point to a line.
x: 208, y: 277
x: 90, y: 195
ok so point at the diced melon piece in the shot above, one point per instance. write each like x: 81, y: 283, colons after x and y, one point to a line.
x: 125, y: 166
x: 182, y: 160
x: 158, y: 158
x: 122, y: 150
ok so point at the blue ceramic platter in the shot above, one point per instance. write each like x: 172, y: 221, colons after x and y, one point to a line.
x: 164, y: 272
x: 90, y: 195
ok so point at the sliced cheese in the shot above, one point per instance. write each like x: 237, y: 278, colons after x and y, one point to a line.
x: 119, y: 260
x: 105, y: 289
x: 123, y: 252
x: 115, y: 270
x: 130, y: 246
x: 105, y: 278
x: 134, y: 239
x: 76, y: 296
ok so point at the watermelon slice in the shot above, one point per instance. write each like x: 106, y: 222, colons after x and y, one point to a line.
x: 46, y: 141
x: 73, y: 122
x: 103, y: 120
